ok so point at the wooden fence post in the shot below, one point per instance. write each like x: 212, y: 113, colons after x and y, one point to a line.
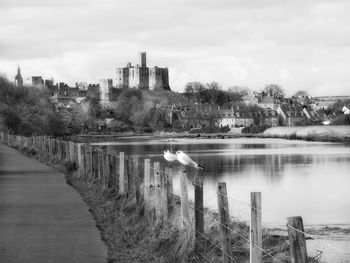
x: 157, y: 185
x: 95, y: 162
x: 88, y: 159
x: 104, y: 166
x: 198, y: 213
x: 82, y: 158
x: 130, y: 177
x: 59, y: 149
x: 137, y: 182
x: 255, y: 228
x: 297, y: 241
x: 108, y: 170
x: 99, y: 163
x: 115, y: 171
x: 184, y: 199
x: 224, y: 219
x: 71, y: 151
x: 147, y: 184
x: 169, y: 189
x: 50, y: 146
x: 121, y: 173
x: 66, y: 143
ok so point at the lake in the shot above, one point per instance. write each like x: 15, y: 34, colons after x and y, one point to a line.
x: 296, y: 178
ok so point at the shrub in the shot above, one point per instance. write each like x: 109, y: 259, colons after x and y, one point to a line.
x: 225, y: 129
x: 255, y: 129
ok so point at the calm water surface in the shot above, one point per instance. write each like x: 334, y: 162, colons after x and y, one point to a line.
x: 309, y: 179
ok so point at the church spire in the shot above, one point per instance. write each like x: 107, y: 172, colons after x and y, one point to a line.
x: 18, y: 78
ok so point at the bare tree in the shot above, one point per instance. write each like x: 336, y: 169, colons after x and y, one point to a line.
x: 243, y: 91
x: 274, y: 90
x: 193, y: 87
x: 213, y: 85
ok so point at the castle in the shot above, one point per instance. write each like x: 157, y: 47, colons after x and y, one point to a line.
x: 142, y: 77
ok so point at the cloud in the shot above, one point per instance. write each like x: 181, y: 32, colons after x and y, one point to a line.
x: 234, y: 42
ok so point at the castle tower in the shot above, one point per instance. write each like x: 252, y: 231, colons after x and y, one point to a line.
x: 143, y: 59
x: 18, y: 78
x: 105, y: 86
x: 142, y: 77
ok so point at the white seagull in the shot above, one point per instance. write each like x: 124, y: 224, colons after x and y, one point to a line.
x: 170, y: 157
x: 186, y: 160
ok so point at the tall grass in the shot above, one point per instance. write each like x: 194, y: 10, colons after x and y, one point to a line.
x: 316, y: 133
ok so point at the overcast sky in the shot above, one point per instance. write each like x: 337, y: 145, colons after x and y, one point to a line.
x: 298, y: 44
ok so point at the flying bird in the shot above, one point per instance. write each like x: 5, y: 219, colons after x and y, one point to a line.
x: 186, y: 160
x: 170, y: 157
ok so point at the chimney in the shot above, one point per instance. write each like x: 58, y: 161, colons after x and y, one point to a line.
x: 143, y: 59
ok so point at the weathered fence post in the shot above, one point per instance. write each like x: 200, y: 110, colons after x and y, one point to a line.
x: 297, y: 241
x: 59, y: 149
x: 81, y: 159
x: 198, y: 213
x: 184, y: 199
x: 95, y: 162
x: 115, y: 171
x: 104, y: 166
x: 158, y: 197
x: 99, y: 163
x: 88, y: 159
x: 66, y: 144
x: 147, y: 184
x: 255, y: 228
x: 121, y: 173
x: 130, y: 177
x: 224, y: 219
x: 169, y: 189
x: 71, y: 151
x: 108, y: 170
x: 50, y: 146
x: 137, y: 181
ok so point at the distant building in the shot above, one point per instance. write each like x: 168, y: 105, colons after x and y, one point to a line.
x: 247, y: 117
x: 346, y: 109
x: 250, y: 99
x: 105, y: 86
x: 18, y: 78
x: 267, y: 101
x: 49, y: 84
x: 326, y: 102
x: 142, y: 77
x: 93, y: 91
x: 62, y: 101
x: 37, y: 81
x: 296, y: 114
x: 81, y: 85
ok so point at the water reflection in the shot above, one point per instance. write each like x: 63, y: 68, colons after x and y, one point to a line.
x: 295, y: 178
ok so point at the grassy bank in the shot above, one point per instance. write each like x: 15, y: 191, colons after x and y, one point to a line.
x: 311, y: 133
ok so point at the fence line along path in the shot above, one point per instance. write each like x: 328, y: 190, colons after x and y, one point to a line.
x: 150, y: 189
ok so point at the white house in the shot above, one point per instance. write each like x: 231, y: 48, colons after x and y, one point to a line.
x: 346, y: 110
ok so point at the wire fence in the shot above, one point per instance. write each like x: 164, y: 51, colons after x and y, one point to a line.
x: 147, y: 183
